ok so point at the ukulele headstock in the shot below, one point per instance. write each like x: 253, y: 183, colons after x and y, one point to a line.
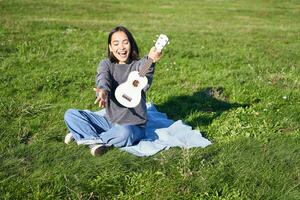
x: 161, y: 42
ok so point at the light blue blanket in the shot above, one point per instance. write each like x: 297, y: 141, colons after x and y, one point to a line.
x: 163, y: 133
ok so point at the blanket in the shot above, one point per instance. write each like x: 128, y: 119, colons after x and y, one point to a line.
x: 163, y: 133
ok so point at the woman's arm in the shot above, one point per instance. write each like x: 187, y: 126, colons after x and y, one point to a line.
x: 103, y: 77
x: 103, y: 83
x: 155, y: 56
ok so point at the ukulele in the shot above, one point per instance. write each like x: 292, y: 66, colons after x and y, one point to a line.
x: 129, y: 93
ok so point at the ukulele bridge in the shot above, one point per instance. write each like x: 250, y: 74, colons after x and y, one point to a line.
x: 126, y: 97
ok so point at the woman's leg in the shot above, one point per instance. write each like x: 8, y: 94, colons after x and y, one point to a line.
x: 86, y: 126
x: 123, y: 135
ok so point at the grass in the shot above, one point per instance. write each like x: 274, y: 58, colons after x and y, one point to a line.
x: 232, y: 71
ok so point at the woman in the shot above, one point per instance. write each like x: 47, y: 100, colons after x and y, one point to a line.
x: 120, y: 126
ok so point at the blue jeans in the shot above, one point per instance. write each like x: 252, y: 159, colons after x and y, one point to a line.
x: 90, y: 128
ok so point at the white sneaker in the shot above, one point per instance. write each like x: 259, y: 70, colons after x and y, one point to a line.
x: 69, y: 138
x: 98, y: 149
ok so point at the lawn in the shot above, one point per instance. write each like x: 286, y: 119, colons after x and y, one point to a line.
x: 231, y: 71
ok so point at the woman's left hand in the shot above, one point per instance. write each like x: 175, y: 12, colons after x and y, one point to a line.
x: 154, y: 54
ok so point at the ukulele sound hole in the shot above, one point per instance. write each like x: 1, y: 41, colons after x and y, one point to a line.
x: 135, y: 83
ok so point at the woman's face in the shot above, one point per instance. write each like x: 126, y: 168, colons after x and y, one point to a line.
x: 120, y: 46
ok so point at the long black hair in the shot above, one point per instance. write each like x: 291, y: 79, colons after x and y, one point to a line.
x: 134, y: 50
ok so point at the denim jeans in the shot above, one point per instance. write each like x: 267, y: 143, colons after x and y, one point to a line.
x: 90, y: 128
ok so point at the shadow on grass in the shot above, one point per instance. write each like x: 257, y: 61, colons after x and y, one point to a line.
x: 201, y: 108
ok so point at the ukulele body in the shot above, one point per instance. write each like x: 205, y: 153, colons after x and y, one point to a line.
x: 129, y: 93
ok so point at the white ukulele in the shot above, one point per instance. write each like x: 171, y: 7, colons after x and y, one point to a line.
x: 129, y: 93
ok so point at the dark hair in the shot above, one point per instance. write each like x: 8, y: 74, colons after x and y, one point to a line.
x: 134, y: 50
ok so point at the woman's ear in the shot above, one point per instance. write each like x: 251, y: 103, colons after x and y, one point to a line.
x: 110, y: 49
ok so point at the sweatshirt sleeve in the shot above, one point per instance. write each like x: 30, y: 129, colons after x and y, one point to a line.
x: 103, y: 77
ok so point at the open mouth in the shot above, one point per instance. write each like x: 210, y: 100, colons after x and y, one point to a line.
x: 123, y: 54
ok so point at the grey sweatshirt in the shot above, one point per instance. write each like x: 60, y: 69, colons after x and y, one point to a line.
x: 109, y: 76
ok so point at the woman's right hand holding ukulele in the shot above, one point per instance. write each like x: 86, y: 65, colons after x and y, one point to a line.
x: 154, y: 54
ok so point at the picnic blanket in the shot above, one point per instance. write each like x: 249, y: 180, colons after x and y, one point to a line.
x: 163, y: 133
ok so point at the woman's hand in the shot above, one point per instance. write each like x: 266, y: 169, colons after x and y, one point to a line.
x: 154, y: 54
x: 101, y: 98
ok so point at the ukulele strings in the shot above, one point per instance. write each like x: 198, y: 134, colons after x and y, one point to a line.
x: 144, y: 70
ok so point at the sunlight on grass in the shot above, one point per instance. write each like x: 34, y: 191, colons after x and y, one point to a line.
x: 231, y: 71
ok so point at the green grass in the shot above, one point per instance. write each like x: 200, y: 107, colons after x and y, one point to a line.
x: 232, y: 71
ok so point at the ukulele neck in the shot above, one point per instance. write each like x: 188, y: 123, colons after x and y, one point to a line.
x: 146, y: 67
